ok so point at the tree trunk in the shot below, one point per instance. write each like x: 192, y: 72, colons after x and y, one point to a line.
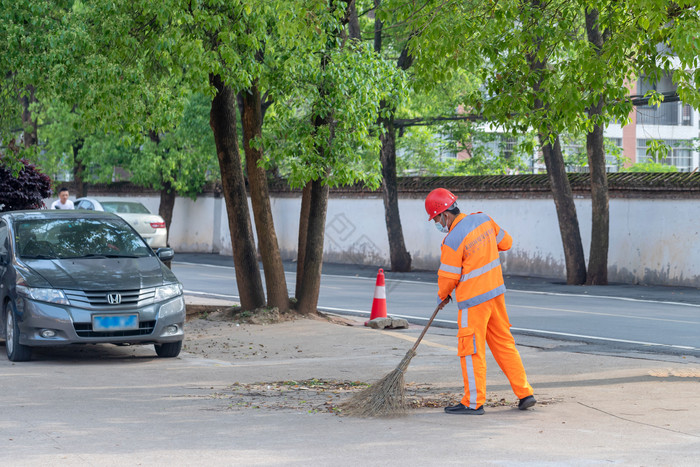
x: 318, y: 197
x: 81, y: 187
x: 167, y: 205
x: 313, y: 256
x: 354, y: 31
x: 222, y: 119
x: 303, y: 233
x: 398, y: 254
x: 561, y: 188
x: 28, y: 123
x: 600, y: 214
x: 165, y: 210
x: 167, y: 192
x: 275, y: 281
x: 377, y: 28
x: 595, y: 148
x: 566, y: 211
x: 400, y: 257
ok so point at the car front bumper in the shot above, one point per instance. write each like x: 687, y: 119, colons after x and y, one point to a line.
x: 159, y: 323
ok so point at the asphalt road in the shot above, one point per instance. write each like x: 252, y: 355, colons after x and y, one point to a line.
x: 615, y: 317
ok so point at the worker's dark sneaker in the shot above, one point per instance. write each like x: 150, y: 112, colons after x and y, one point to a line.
x: 461, y: 409
x: 526, y: 402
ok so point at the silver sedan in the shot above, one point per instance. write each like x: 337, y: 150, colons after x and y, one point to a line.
x: 69, y: 277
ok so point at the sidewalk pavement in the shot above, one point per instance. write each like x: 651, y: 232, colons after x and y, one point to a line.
x: 628, y: 409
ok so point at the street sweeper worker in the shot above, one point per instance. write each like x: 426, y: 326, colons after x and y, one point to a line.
x: 470, y: 267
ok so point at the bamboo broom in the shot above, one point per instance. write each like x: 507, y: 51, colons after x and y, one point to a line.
x: 386, y: 397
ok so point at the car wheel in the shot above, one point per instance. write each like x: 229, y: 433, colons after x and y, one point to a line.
x: 16, y: 352
x: 169, y: 350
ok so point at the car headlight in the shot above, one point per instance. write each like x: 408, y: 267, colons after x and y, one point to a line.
x: 43, y: 295
x: 168, y: 291
x: 173, y: 307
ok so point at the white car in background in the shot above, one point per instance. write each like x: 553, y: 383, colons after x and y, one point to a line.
x: 150, y: 226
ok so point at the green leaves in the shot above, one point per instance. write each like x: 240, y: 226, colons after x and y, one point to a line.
x: 539, y: 68
x: 107, y: 72
x: 344, y: 90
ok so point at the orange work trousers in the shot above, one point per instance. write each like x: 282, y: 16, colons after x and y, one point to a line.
x: 488, y: 323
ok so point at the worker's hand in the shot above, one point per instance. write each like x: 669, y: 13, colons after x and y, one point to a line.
x: 447, y: 300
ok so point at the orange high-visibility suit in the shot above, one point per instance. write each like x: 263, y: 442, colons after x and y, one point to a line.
x: 470, y: 264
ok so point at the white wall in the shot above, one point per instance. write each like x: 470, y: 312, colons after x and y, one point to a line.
x: 652, y: 241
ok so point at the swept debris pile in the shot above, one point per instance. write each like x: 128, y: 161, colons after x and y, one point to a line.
x: 324, y: 396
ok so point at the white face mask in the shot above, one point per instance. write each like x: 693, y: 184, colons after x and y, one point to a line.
x: 441, y: 228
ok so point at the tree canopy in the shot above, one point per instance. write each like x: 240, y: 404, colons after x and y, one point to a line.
x: 322, y: 86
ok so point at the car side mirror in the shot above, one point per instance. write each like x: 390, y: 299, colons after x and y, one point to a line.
x: 165, y: 254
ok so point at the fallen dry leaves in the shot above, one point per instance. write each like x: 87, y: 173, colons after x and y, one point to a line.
x: 324, y: 396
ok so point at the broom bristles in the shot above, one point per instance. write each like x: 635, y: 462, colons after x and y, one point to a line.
x: 385, y: 398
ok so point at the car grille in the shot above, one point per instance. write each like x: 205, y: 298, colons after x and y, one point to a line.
x: 85, y: 330
x: 133, y: 297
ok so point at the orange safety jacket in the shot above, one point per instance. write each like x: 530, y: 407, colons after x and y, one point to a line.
x: 469, y: 260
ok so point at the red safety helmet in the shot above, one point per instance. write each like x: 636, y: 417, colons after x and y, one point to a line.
x: 438, y: 201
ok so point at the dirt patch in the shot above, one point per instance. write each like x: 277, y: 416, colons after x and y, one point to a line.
x: 235, y: 314
x: 228, y: 334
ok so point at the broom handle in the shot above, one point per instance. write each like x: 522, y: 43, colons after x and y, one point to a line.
x: 425, y: 329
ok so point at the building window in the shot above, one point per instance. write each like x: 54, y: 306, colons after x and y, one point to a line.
x: 687, y: 115
x: 497, y: 144
x: 664, y: 114
x: 680, y: 153
x: 613, y: 154
x: 667, y: 113
x: 508, y: 145
x: 445, y: 154
x: 576, y: 154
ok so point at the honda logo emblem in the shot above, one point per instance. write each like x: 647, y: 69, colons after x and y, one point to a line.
x: 114, y: 298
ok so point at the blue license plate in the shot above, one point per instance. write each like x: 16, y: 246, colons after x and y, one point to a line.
x: 115, y: 322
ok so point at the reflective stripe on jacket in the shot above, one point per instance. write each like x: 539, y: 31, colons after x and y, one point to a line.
x: 469, y: 260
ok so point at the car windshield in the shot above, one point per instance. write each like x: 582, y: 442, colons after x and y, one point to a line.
x: 122, y: 207
x: 77, y: 238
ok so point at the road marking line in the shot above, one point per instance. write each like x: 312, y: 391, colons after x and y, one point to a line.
x: 177, y: 263
x: 211, y: 294
x: 626, y: 299
x: 601, y: 314
x: 607, y: 339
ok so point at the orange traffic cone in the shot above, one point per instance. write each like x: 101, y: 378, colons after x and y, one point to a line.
x: 379, y: 303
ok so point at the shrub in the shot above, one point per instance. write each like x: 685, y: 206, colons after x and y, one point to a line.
x: 25, y: 189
